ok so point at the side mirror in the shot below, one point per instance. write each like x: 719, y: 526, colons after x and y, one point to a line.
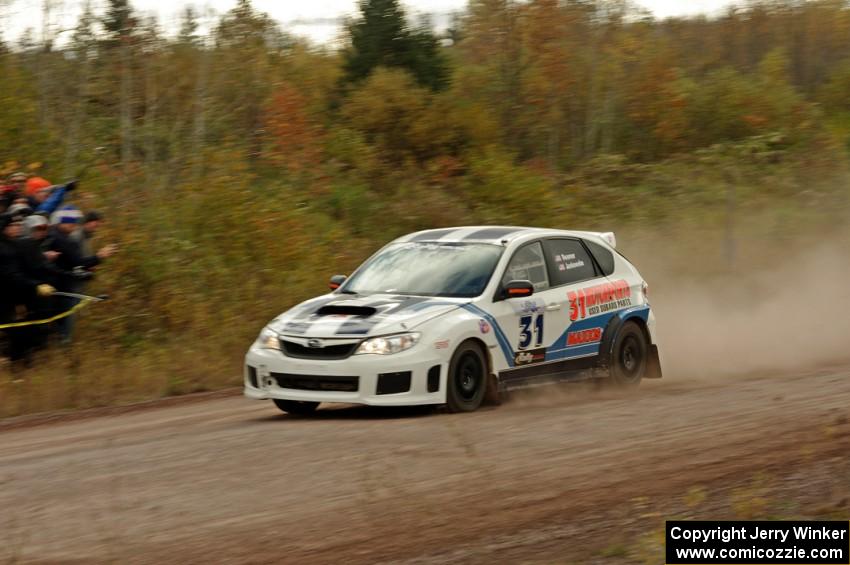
x: 336, y: 281
x: 518, y: 289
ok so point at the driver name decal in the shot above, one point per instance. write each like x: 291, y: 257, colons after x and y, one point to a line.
x: 599, y: 299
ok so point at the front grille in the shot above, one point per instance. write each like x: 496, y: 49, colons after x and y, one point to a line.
x: 317, y: 382
x: 298, y: 351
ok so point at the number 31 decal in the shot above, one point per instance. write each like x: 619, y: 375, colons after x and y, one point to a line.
x: 527, y: 333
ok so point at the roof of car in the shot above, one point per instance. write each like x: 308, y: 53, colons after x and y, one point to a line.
x: 488, y: 234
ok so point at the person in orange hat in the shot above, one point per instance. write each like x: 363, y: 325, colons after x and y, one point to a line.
x: 44, y: 197
x: 36, y: 184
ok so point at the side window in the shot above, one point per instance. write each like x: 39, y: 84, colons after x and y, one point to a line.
x: 569, y: 261
x: 604, y: 257
x: 528, y: 264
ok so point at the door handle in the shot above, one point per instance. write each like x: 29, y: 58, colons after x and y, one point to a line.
x: 553, y: 307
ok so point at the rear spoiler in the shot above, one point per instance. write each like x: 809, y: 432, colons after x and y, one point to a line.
x: 609, y: 237
x: 606, y: 236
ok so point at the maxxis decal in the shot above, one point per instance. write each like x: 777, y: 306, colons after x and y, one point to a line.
x: 581, y: 337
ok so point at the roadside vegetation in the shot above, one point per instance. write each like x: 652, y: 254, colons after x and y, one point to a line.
x: 239, y: 168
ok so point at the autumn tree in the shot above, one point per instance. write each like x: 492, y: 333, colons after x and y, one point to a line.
x: 249, y: 46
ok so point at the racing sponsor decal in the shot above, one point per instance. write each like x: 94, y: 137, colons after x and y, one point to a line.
x: 484, y: 326
x: 441, y: 344
x: 581, y: 337
x: 531, y: 305
x: 599, y: 299
x: 530, y: 356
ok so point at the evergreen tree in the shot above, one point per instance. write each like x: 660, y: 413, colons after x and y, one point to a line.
x: 382, y: 37
x: 188, y: 26
x: 118, y: 20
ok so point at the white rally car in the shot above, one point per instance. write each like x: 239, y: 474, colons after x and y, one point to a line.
x: 454, y: 316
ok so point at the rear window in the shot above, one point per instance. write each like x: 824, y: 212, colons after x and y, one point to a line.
x: 568, y: 261
x: 603, y: 256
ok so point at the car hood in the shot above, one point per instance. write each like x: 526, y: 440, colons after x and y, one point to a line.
x: 339, y: 315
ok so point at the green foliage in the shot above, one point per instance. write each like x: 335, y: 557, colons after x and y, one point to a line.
x: 503, y: 193
x: 381, y: 37
x: 118, y: 21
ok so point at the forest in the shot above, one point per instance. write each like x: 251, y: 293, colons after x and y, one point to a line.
x: 239, y: 168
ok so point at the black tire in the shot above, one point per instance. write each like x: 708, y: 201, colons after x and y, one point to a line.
x: 629, y: 357
x: 467, y: 382
x: 296, y: 407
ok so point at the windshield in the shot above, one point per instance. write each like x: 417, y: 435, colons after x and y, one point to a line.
x: 427, y: 269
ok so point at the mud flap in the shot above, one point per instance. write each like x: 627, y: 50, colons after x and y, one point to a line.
x: 653, y: 363
x: 606, y: 349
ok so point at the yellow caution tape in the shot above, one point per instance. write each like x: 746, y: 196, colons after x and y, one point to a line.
x: 82, y: 304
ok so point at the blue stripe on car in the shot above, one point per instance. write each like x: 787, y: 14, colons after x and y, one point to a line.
x: 560, y: 350
x: 641, y: 312
x: 504, y: 343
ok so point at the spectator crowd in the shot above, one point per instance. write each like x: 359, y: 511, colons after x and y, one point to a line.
x: 46, y: 260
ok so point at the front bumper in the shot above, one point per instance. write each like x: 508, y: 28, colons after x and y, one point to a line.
x: 269, y: 373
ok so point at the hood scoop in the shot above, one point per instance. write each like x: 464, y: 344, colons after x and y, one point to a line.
x: 346, y: 310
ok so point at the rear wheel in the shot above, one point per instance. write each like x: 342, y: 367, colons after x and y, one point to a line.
x: 467, y: 382
x: 629, y: 357
x: 296, y: 407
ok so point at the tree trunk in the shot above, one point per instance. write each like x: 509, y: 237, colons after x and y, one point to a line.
x: 126, y: 106
x: 199, y: 129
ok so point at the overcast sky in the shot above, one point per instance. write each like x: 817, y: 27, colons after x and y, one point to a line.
x: 297, y: 16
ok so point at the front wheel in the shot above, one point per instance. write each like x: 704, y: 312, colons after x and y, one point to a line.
x: 296, y: 407
x: 467, y: 382
x: 629, y: 356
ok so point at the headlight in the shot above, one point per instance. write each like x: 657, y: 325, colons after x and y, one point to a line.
x: 268, y: 339
x: 388, y: 345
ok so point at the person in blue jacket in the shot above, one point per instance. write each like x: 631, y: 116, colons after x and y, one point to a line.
x: 46, y: 198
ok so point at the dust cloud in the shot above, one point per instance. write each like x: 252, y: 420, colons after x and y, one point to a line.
x: 782, y: 305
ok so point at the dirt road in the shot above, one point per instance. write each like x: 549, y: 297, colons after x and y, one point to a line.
x: 231, y: 480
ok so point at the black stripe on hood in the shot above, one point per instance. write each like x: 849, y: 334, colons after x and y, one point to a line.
x: 362, y: 326
x: 384, y: 308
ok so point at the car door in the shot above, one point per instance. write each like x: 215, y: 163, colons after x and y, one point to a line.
x: 526, y: 322
x: 578, y: 284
